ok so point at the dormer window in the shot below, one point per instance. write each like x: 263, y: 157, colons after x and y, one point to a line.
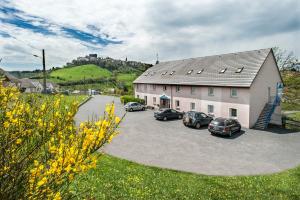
x: 147, y: 74
x: 200, y: 71
x: 164, y: 73
x: 152, y: 73
x: 189, y: 72
x: 223, y: 71
x: 239, y: 70
x: 172, y: 72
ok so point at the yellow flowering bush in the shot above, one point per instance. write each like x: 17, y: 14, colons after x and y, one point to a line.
x: 41, y: 149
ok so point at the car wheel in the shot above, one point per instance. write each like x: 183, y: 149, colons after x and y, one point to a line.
x: 130, y: 109
x: 179, y: 116
x: 230, y: 133
x: 165, y: 118
x: 198, y: 125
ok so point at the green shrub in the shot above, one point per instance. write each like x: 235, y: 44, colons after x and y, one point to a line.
x: 128, y: 98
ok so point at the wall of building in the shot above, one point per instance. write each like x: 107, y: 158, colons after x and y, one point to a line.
x: 221, y: 100
x: 267, y: 77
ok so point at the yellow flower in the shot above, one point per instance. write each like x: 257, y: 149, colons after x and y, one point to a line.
x: 117, y: 120
x: 19, y: 141
x: 57, y: 196
x: 42, y: 182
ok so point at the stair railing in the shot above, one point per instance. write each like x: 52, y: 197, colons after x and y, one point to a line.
x: 275, y: 103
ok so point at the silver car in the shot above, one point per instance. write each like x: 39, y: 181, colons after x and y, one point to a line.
x: 132, y: 106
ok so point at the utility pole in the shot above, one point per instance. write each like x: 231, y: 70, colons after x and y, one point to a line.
x: 44, y: 73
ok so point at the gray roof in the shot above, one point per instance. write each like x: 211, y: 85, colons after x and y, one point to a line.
x: 9, y: 76
x: 250, y: 61
x: 26, y: 83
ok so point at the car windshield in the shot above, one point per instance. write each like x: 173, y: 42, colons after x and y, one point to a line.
x: 218, y: 123
x: 190, y: 114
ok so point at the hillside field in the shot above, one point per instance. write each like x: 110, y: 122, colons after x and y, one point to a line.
x: 79, y: 73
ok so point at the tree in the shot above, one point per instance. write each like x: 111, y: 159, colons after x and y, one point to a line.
x: 285, y: 59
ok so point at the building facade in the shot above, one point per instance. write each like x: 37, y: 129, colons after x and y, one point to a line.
x: 237, y: 85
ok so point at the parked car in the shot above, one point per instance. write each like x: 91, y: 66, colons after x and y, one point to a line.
x: 196, y: 119
x: 223, y: 126
x: 168, y: 113
x: 132, y: 106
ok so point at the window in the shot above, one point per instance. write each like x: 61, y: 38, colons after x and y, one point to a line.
x: 189, y: 72
x: 145, y: 86
x: 239, y: 70
x: 210, y: 109
x: 203, y: 115
x: 173, y: 111
x: 137, y: 86
x: 232, y: 112
x: 193, y: 90
x: 172, y: 72
x: 177, y: 88
x: 210, y: 91
x: 223, y: 70
x: 177, y: 103
x: 193, y: 106
x: 164, y: 73
x: 138, y: 96
x: 145, y: 98
x: 154, y: 87
x: 164, y: 87
x: 200, y: 71
x: 233, y: 92
x: 154, y: 100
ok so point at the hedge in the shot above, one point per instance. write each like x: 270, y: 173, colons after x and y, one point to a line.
x: 128, y: 98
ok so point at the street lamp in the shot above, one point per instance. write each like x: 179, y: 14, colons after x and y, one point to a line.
x: 44, y: 71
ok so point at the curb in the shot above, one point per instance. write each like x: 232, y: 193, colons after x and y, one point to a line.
x: 86, y: 100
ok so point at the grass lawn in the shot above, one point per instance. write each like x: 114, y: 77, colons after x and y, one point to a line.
x: 127, y: 79
x: 120, y: 179
x: 79, y: 73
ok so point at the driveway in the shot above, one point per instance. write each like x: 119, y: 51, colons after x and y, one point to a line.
x: 171, y: 145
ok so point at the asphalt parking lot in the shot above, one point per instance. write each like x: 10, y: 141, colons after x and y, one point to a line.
x: 169, y: 144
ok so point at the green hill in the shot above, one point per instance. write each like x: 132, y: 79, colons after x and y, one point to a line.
x: 78, y: 73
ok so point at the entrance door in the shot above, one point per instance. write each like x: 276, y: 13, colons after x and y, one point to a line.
x: 165, y: 103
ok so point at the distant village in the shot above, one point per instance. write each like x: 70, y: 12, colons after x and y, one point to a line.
x: 27, y: 85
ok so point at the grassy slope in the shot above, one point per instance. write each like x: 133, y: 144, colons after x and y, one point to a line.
x: 291, y: 89
x: 120, y: 179
x: 126, y: 78
x: 79, y: 73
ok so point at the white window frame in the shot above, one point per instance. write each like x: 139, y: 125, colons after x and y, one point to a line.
x: 154, y: 87
x: 231, y: 92
x: 177, y: 103
x: 191, y: 106
x: 177, y: 88
x: 154, y: 100
x: 209, y: 91
x: 193, y: 89
x: 210, y: 111
x: 230, y: 113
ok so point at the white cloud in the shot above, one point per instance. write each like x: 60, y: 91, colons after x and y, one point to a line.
x: 174, y: 29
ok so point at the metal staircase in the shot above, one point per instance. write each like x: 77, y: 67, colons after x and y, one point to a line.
x: 266, y: 114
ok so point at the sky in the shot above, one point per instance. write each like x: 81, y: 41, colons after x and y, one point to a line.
x: 141, y: 29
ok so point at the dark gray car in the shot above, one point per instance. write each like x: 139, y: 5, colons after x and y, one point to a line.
x: 133, y: 106
x: 167, y: 113
x: 196, y: 119
x: 223, y: 126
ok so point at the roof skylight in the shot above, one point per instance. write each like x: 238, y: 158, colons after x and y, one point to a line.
x: 172, y: 72
x: 200, y: 71
x: 223, y: 71
x: 164, y: 73
x: 189, y: 72
x: 239, y: 70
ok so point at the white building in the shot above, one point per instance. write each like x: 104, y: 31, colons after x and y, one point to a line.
x: 242, y: 85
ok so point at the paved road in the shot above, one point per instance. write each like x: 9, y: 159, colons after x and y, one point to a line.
x: 171, y: 145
